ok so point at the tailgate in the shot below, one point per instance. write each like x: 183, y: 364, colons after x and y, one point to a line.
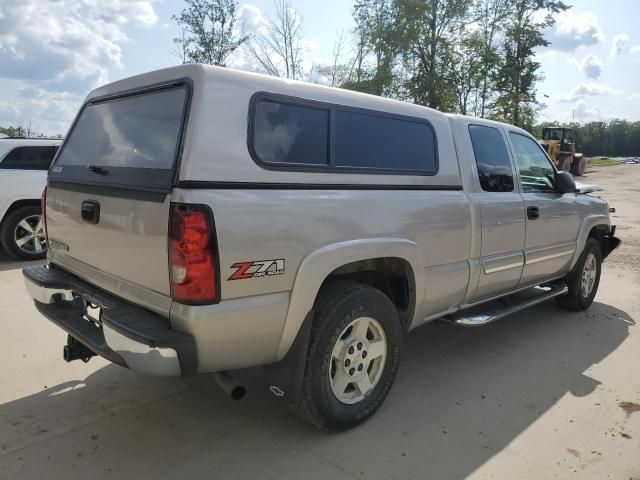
x: 107, y: 202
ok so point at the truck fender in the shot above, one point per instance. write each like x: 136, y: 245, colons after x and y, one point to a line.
x: 318, y: 265
x: 587, y: 225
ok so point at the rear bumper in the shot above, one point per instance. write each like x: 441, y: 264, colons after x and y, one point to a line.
x: 125, y: 334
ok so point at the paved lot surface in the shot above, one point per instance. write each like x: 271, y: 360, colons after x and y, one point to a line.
x: 534, y: 396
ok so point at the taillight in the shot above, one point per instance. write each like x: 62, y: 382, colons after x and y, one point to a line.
x: 193, y: 256
x: 43, y: 214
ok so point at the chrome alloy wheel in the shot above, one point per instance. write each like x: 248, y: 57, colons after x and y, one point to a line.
x: 29, y: 235
x: 357, y: 360
x: 589, y: 273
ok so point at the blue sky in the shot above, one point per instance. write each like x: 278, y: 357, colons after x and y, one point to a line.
x: 52, y: 52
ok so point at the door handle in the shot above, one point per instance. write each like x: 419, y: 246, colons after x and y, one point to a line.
x: 90, y: 211
x: 533, y: 213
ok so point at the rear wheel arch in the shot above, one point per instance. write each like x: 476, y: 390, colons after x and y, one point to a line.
x: 392, y: 276
x: 349, y: 260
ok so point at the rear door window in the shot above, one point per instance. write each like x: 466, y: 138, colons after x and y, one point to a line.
x: 29, y: 158
x: 494, y: 166
x: 126, y: 141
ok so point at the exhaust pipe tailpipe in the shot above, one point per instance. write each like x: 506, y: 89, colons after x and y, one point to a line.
x: 231, y: 385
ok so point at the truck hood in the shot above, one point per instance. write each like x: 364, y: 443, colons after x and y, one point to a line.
x: 586, y: 188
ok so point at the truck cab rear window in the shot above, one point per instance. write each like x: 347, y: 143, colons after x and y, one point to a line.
x: 326, y: 137
x: 132, y: 139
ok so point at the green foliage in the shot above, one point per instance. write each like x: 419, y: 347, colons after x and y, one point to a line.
x: 603, y: 162
x: 208, y: 32
x: 518, y: 73
x: 618, y: 138
x: 466, y: 56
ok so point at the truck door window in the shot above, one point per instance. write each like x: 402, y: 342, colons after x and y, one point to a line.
x: 492, y: 159
x: 536, y: 172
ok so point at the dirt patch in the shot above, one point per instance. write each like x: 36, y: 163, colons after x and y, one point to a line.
x: 629, y: 407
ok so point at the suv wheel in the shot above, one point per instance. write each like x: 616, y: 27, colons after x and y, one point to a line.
x: 584, y: 279
x: 22, y: 234
x: 353, y: 356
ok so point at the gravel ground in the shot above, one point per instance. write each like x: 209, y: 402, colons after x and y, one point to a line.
x: 542, y: 394
x: 622, y: 193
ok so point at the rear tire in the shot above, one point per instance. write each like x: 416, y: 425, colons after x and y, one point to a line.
x: 584, y: 279
x: 335, y: 393
x: 22, y: 234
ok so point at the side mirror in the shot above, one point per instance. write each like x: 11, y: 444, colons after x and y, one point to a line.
x: 565, y: 183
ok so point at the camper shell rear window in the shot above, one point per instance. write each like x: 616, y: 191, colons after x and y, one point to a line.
x: 126, y: 141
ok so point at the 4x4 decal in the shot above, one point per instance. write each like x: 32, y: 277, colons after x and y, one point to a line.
x: 258, y: 268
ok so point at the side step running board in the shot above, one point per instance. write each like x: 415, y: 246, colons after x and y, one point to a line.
x: 480, y: 319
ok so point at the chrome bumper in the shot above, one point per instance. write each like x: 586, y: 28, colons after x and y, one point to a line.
x: 125, y: 334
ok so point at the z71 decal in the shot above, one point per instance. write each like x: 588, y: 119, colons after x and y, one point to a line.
x: 258, y: 268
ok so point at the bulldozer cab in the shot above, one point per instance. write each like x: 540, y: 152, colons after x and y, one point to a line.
x: 560, y: 145
x: 565, y: 137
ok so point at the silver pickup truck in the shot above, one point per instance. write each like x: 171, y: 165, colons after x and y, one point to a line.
x: 202, y: 219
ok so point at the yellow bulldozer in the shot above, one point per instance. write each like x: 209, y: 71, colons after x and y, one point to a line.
x: 560, y: 145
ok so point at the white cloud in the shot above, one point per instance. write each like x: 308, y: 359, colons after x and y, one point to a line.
x: 591, y: 66
x: 252, y: 18
x: 635, y: 51
x: 588, y: 90
x: 67, y: 45
x: 582, y: 113
x: 573, y: 30
x: 620, y: 44
x: 52, y: 52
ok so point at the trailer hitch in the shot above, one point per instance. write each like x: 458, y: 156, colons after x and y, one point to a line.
x: 74, y: 350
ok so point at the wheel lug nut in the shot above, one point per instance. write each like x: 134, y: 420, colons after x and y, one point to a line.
x: 347, y: 362
x: 360, y: 367
x: 364, y: 354
x: 360, y: 346
x: 351, y: 349
x: 352, y: 371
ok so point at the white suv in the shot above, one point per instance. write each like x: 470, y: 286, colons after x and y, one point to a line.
x: 24, y: 163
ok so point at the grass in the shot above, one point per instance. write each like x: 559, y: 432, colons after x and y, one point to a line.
x: 602, y: 162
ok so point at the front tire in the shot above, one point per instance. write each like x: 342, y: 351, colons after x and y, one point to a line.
x: 584, y: 279
x: 353, y: 356
x: 564, y: 163
x: 22, y: 234
x: 579, y: 166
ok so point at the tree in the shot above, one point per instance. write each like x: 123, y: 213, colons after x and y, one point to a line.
x: 427, y: 29
x: 22, y: 131
x: 338, y: 72
x: 208, y: 32
x: 491, y: 16
x: 518, y: 72
x: 466, y: 71
x: 378, y: 46
x: 279, y: 48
